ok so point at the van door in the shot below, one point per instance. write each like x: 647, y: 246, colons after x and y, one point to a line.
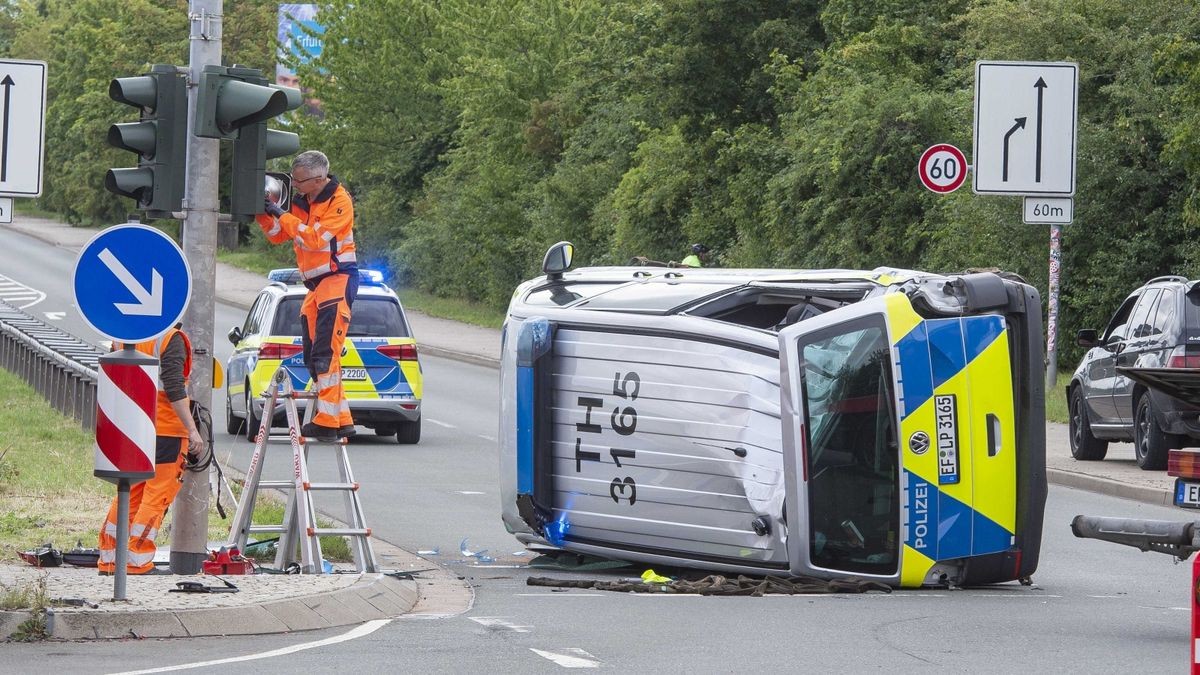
x: 898, y: 439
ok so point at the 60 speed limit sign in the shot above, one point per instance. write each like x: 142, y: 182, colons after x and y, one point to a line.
x: 943, y: 168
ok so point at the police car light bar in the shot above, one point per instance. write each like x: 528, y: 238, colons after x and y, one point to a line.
x: 291, y: 275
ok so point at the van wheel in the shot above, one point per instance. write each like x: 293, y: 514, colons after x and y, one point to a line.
x: 1084, y: 446
x: 1150, y: 442
x: 233, y: 425
x: 253, y: 421
x: 409, y: 433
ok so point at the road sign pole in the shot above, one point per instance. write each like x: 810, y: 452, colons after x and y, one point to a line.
x: 189, y: 539
x: 119, y: 572
x: 1052, y: 307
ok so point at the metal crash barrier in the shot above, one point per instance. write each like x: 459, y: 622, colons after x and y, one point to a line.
x: 60, y: 366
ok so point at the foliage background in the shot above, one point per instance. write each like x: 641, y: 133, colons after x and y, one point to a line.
x: 474, y: 133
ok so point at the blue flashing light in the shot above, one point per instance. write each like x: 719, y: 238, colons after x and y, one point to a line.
x: 556, y: 530
x: 291, y: 275
x: 371, y: 277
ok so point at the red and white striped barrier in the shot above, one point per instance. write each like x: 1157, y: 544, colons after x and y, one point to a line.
x: 126, y: 400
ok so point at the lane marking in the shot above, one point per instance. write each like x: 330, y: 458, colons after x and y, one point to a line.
x: 470, y: 492
x: 559, y: 595
x: 577, y: 658
x: 487, y: 438
x: 498, y: 622
x: 55, y: 316
x: 441, y: 424
x: 363, y: 630
x: 18, y: 294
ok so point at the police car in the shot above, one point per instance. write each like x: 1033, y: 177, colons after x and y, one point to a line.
x: 380, y: 370
x: 884, y: 424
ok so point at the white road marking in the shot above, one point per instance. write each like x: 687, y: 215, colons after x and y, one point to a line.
x: 365, y: 629
x: 499, y: 622
x: 441, y: 424
x: 560, y: 595
x: 487, y: 438
x: 18, y: 294
x: 469, y: 492
x: 577, y: 658
x: 55, y: 316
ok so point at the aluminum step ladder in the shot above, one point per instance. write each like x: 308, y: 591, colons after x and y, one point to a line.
x: 299, y: 527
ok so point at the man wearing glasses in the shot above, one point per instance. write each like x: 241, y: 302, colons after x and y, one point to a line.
x: 320, y: 226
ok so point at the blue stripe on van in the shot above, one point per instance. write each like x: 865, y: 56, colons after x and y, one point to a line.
x: 916, y: 382
x: 944, y: 528
x: 946, y: 355
x: 525, y: 430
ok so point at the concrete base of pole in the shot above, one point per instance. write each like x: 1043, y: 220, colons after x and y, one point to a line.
x: 122, y: 539
x: 187, y: 563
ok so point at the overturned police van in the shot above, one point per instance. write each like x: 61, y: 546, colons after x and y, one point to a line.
x: 884, y: 424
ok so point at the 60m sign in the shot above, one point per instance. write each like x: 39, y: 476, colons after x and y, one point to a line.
x: 943, y: 168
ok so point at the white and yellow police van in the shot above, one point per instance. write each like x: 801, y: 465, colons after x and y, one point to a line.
x: 883, y: 424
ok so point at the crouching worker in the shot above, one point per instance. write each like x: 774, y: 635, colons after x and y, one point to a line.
x: 176, y: 436
x: 320, y: 227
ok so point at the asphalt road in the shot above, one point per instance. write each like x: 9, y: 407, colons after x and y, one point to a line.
x: 1094, y: 607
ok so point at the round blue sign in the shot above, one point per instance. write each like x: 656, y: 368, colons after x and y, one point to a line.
x: 132, y: 283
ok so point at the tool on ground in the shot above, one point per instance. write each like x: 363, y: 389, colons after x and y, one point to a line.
x: 199, y: 587
x: 228, y: 561
x: 299, y: 527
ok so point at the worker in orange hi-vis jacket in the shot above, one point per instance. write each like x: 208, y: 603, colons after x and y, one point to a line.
x: 176, y: 435
x: 320, y: 226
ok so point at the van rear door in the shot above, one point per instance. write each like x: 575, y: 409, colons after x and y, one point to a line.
x: 899, y: 440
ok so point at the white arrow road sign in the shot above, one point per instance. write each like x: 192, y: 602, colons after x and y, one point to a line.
x: 22, y: 127
x: 1025, y: 124
x: 149, y: 303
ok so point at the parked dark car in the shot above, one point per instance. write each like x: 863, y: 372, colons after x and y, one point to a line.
x: 1156, y: 327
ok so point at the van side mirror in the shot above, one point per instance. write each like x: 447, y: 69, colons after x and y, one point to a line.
x: 1086, y: 338
x: 235, y: 335
x: 558, y: 259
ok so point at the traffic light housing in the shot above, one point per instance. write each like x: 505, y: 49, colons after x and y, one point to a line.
x: 255, y: 145
x: 230, y: 99
x: 159, y: 138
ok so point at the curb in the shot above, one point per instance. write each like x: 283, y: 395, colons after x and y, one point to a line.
x: 374, y: 596
x: 467, y: 357
x: 1137, y: 493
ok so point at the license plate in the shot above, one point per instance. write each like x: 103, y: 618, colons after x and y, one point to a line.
x: 354, y: 373
x: 1187, y: 494
x: 946, y: 409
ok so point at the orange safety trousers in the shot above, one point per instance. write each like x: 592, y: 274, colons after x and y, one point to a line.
x: 148, y: 502
x: 326, y: 314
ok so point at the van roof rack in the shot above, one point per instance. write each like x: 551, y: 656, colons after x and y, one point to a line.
x: 1168, y: 277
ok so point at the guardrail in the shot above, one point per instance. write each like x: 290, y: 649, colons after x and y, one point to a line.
x: 60, y: 366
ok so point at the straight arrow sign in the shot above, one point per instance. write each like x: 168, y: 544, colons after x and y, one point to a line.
x: 7, y: 83
x: 1041, y: 89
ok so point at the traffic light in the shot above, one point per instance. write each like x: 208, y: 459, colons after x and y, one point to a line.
x: 159, y: 138
x: 255, y: 145
x: 230, y: 99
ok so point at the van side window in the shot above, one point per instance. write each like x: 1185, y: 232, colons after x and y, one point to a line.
x: 1139, y: 323
x: 1164, y: 315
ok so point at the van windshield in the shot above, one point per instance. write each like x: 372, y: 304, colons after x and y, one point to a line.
x: 852, y: 453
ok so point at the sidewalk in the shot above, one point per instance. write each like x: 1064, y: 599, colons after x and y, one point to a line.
x: 268, y: 604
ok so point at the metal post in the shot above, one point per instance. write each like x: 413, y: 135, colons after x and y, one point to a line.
x: 189, y: 539
x: 1052, y: 308
x: 122, y: 539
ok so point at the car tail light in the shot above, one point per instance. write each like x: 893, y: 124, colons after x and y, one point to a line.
x: 1182, y: 358
x: 276, y: 351
x: 398, y: 352
x: 1184, y: 463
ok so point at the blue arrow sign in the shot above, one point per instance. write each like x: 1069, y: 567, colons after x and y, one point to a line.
x: 132, y: 283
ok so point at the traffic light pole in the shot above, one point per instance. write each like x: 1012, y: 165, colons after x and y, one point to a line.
x: 189, y: 537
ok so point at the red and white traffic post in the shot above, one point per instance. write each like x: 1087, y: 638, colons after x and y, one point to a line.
x: 126, y: 398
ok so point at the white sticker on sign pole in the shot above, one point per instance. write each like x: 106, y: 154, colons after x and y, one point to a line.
x: 1025, y: 124
x: 943, y: 168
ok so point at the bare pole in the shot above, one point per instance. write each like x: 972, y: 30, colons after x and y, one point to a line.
x: 1052, y: 307
x: 189, y: 538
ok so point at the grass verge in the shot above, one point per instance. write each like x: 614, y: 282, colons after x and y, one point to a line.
x: 474, y: 313
x: 48, y: 492
x: 1056, y: 400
